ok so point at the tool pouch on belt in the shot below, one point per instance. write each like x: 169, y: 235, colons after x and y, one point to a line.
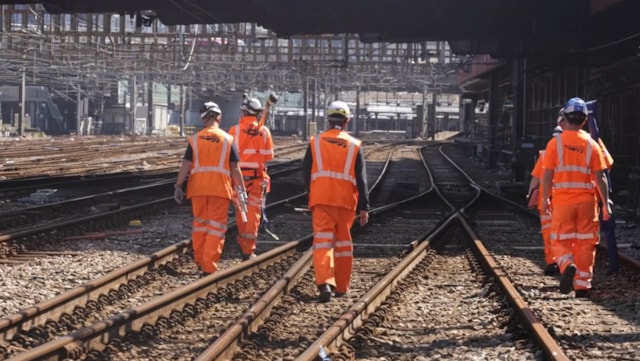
x: 533, y: 198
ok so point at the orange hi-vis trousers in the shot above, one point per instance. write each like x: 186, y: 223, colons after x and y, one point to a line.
x: 545, y: 229
x: 210, y: 216
x: 332, y: 246
x: 248, y: 232
x: 574, y: 236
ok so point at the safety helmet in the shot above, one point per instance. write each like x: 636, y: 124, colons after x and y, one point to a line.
x: 338, y: 110
x: 576, y: 105
x: 557, y: 130
x: 251, y: 105
x: 209, y: 109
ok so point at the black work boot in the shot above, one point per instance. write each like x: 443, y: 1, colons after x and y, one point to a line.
x: 566, y: 281
x: 325, y: 293
x: 582, y: 293
x: 552, y: 270
x: 246, y: 257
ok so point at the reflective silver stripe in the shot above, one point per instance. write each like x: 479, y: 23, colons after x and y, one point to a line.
x: 585, y: 235
x: 199, y: 229
x: 573, y: 168
x: 573, y: 235
x: 254, y: 165
x: 247, y: 235
x: 266, y: 151
x: 215, y: 232
x: 211, y: 223
x: 583, y: 274
x: 545, y: 217
x: 581, y: 185
x: 324, y: 235
x: 546, y: 226
x: 565, y: 258
x: 214, y: 169
x: 343, y: 254
x: 208, y: 230
x: 322, y: 245
x: 583, y: 283
x: 331, y: 174
x: 343, y: 243
x: 564, y: 236
x: 335, y: 175
x: 250, y: 151
x: 350, y: 155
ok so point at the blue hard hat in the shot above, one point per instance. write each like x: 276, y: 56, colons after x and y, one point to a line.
x: 576, y: 105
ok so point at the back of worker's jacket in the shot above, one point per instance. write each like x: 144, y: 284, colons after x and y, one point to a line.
x: 255, y: 146
x: 333, y: 177
x: 574, y: 157
x: 210, y: 172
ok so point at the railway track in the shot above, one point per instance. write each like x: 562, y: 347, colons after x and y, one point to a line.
x: 175, y: 256
x: 451, y: 272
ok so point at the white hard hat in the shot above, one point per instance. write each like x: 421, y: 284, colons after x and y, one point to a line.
x: 338, y: 110
x: 251, y: 105
x: 208, y: 108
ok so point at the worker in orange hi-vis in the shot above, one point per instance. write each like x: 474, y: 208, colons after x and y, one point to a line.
x: 535, y: 201
x: 334, y: 171
x: 211, y: 163
x: 573, y: 162
x: 255, y: 145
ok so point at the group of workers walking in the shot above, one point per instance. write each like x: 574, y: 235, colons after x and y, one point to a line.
x: 573, y: 192
x: 231, y: 167
x: 569, y: 179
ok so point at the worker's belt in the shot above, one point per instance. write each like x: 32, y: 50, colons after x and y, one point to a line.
x: 251, y: 173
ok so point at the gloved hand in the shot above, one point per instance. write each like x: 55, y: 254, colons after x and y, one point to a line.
x: 178, y: 194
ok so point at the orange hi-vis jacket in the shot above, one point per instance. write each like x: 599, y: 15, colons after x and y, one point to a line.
x: 210, y: 172
x: 574, y: 157
x: 537, y: 172
x: 255, y: 146
x: 333, y: 177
